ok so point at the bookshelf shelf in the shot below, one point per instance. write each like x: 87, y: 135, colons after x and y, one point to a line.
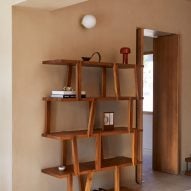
x: 88, y: 64
x: 86, y: 167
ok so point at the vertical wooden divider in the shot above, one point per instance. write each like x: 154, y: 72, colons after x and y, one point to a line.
x: 78, y: 80
x: 139, y: 102
x: 70, y: 183
x: 47, y: 117
x: 116, y: 80
x: 98, y: 152
x: 117, y: 179
x: 81, y: 183
x: 102, y: 153
x: 69, y: 76
x: 75, y: 156
x: 64, y: 152
x: 136, y: 82
x: 89, y: 181
x: 130, y: 115
x: 104, y: 82
x: 91, y: 117
x: 134, y: 147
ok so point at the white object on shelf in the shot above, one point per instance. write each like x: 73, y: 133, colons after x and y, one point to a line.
x: 61, y: 168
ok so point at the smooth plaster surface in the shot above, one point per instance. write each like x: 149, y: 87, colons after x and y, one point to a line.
x: 5, y: 96
x: 40, y: 35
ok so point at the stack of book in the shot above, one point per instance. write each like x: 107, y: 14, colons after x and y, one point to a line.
x: 66, y: 94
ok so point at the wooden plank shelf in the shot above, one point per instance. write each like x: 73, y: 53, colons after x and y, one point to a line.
x: 188, y: 173
x: 88, y: 64
x: 53, y: 99
x: 117, y: 161
x: 68, y: 135
x: 121, y: 98
x: 87, y: 167
x: 125, y: 189
x: 65, y: 135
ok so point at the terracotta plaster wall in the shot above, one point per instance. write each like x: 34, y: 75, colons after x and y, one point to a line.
x: 40, y: 35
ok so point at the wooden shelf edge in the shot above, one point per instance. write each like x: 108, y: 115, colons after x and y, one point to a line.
x: 121, y: 98
x: 89, y: 64
x: 123, y: 189
x: 68, y: 135
x: 188, y: 173
x: 86, y: 167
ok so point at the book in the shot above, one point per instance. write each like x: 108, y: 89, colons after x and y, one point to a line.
x: 66, y: 96
x: 57, y: 95
x: 62, y: 92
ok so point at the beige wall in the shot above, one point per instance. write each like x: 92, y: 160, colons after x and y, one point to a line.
x: 40, y: 35
x: 5, y: 96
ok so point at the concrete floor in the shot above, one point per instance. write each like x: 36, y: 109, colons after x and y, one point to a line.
x: 156, y: 181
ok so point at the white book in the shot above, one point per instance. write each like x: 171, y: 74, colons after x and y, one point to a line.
x: 57, y: 95
x: 62, y: 92
x: 57, y: 92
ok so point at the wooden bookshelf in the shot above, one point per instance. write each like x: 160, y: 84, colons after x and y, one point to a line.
x: 77, y: 168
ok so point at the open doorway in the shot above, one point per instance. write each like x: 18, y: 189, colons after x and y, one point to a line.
x: 147, y: 104
x: 159, y: 52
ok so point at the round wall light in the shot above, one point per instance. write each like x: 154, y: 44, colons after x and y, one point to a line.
x: 88, y: 21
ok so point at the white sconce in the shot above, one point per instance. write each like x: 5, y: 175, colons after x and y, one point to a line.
x: 88, y: 21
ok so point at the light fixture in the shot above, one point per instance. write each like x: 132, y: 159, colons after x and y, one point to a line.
x: 88, y: 21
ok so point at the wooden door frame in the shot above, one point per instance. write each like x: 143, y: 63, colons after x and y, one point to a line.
x: 139, y: 104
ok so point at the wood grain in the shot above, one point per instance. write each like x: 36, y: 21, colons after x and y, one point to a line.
x: 134, y: 147
x: 68, y: 135
x: 89, y: 181
x: 64, y: 152
x: 136, y: 77
x: 70, y: 183
x: 98, y: 151
x: 86, y: 167
x: 75, y: 156
x: 130, y: 115
x: 81, y: 183
x: 117, y: 179
x: 166, y: 105
x: 108, y: 98
x: 91, y: 118
x: 139, y: 102
x: 116, y: 81
x: 87, y: 63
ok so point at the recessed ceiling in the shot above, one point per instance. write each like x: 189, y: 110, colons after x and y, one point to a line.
x: 46, y: 4
x: 154, y: 33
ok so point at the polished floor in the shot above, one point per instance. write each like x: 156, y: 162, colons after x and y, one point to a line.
x: 155, y: 181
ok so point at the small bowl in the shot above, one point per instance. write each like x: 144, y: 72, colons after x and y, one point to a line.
x: 86, y: 58
x: 61, y: 168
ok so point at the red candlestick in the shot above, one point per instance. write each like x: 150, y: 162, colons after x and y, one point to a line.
x: 125, y: 51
